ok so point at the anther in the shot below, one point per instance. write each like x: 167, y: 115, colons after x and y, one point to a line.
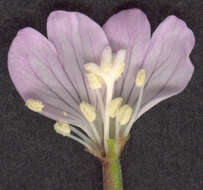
x: 88, y: 111
x: 34, y: 105
x: 94, y: 80
x: 114, y: 106
x: 123, y: 115
x: 140, y: 79
x: 62, y: 128
x: 92, y: 67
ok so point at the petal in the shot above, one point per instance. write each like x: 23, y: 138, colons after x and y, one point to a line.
x: 173, y: 86
x: 78, y: 40
x: 166, y: 63
x: 37, y: 73
x: 130, y: 30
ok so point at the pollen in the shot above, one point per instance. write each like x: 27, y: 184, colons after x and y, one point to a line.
x: 140, y: 79
x: 62, y: 128
x: 92, y: 67
x: 65, y: 113
x: 34, y: 105
x: 114, y: 106
x: 124, y: 114
x: 94, y: 80
x: 88, y: 111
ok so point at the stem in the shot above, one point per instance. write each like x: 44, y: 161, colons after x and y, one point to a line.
x: 112, y: 177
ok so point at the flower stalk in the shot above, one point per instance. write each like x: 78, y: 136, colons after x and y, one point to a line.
x: 112, y: 174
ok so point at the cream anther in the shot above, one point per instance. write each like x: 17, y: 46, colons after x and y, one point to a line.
x: 88, y: 111
x: 92, y: 67
x: 140, y: 79
x: 34, y: 105
x: 94, y: 80
x: 62, y: 128
x: 123, y: 115
x: 113, y: 106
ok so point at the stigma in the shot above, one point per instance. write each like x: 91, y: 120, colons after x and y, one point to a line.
x: 110, y: 68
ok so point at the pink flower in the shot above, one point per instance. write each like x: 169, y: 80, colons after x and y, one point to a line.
x: 100, y: 80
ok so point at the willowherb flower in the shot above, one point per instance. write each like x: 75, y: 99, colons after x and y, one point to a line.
x: 96, y: 82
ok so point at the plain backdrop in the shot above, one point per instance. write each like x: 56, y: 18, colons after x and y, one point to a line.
x: 165, y: 150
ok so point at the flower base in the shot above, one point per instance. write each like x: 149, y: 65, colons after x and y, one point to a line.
x: 112, y: 175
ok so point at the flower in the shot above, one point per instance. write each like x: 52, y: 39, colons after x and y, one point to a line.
x: 100, y: 80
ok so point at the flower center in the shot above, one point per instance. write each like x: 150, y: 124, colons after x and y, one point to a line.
x: 110, y: 69
x: 117, y: 119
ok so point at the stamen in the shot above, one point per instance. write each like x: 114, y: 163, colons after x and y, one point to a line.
x: 34, y: 105
x: 109, y: 95
x: 94, y: 80
x: 100, y: 102
x: 62, y: 128
x: 140, y: 79
x: 65, y: 130
x: 85, y: 138
x: 88, y: 111
x: 106, y: 60
x: 92, y: 67
x: 113, y: 106
x: 123, y: 115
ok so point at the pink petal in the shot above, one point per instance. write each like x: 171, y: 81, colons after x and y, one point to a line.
x: 173, y: 86
x: 130, y: 30
x: 167, y: 63
x: 78, y: 40
x: 37, y: 73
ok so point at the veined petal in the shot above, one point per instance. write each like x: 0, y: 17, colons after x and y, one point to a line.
x: 78, y: 41
x: 166, y: 63
x: 37, y: 74
x: 174, y: 85
x: 130, y: 30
